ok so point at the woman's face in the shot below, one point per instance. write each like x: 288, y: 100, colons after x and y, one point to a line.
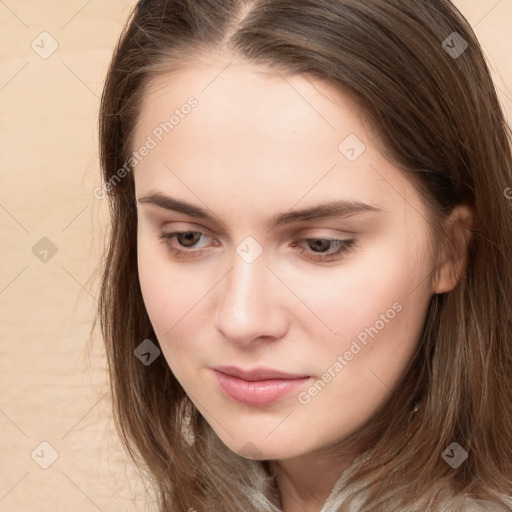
x: 255, y: 157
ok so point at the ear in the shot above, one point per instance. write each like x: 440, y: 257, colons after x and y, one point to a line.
x: 453, y: 258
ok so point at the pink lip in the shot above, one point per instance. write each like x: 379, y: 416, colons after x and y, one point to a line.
x: 258, y: 387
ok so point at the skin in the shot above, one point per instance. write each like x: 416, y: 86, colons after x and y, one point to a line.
x: 259, y: 144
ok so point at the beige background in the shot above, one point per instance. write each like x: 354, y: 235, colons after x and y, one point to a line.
x: 50, y: 389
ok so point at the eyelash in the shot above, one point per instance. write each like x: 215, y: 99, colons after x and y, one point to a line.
x: 343, y: 247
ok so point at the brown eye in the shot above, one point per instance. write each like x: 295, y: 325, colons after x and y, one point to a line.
x: 188, y: 239
x: 185, y: 240
x: 320, y: 247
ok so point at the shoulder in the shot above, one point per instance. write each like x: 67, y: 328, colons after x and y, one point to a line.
x: 445, y: 501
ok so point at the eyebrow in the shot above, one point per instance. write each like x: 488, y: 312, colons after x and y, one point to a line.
x: 333, y: 209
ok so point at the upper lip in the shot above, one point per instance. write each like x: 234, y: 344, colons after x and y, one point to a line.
x: 260, y: 373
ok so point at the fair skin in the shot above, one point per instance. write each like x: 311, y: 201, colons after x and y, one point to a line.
x: 258, y: 145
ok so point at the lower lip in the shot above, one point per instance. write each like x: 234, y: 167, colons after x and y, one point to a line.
x: 258, y: 392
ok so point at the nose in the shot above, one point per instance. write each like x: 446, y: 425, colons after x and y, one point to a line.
x: 251, y: 303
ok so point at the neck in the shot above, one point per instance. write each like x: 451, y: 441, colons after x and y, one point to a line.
x: 305, y: 482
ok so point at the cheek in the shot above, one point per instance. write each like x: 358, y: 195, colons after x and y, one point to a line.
x: 382, y: 323
x: 377, y: 311
x: 352, y: 296
x: 169, y: 291
x: 177, y: 297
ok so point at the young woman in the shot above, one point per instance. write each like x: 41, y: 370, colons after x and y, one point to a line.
x: 307, y: 294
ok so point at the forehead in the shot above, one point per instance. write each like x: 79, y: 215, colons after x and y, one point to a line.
x: 234, y: 90
x: 257, y: 134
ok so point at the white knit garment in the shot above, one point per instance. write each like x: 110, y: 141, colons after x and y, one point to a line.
x: 460, y: 503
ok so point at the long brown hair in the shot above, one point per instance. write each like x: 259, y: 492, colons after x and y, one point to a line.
x: 415, y: 70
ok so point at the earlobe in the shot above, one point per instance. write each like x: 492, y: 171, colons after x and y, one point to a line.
x: 453, y: 262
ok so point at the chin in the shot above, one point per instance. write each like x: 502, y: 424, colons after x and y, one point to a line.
x: 259, y: 448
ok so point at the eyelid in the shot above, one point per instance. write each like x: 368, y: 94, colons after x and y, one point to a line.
x: 302, y: 231
x: 182, y: 226
x: 325, y: 232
